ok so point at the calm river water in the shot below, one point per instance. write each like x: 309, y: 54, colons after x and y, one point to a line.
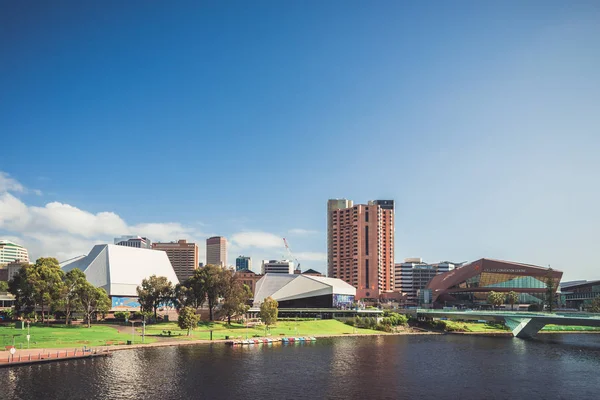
x: 398, y: 367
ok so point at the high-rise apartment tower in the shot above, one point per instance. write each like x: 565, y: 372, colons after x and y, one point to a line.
x: 360, y: 245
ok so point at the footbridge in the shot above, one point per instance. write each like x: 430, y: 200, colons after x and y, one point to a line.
x: 522, y: 324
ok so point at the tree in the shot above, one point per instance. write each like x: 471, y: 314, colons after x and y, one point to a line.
x: 3, y: 286
x: 268, y: 311
x: 550, y: 289
x: 190, y: 293
x: 93, y: 300
x: 21, y: 288
x: 69, y: 298
x: 213, y: 281
x: 46, y: 279
x: 236, y: 296
x: 153, y: 292
x: 188, y: 319
x: 595, y: 307
x: 512, y: 297
x: 495, y: 298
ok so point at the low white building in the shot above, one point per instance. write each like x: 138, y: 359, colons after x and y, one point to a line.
x: 120, y: 270
x: 304, y: 291
x: 10, y: 251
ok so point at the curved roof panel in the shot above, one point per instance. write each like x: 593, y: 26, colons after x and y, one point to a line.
x: 120, y: 269
x: 290, y: 286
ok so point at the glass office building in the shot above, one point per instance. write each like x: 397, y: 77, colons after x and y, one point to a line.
x: 471, y: 284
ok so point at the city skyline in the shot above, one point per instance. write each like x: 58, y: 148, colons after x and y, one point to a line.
x: 479, y: 120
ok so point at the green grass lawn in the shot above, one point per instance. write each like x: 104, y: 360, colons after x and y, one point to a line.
x: 60, y: 336
x: 459, y: 326
x: 282, y: 328
x: 567, y: 328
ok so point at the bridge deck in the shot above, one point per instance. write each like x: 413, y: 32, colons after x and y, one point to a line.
x: 522, y: 324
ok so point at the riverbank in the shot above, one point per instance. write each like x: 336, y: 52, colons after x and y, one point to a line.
x: 31, y: 356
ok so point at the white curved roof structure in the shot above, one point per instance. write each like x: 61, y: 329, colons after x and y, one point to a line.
x: 283, y: 287
x: 120, y: 269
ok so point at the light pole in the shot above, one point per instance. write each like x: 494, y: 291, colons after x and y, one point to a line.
x: 28, y: 336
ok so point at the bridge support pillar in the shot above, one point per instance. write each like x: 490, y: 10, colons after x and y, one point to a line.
x: 524, y: 327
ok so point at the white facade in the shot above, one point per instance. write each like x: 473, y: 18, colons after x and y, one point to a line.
x: 10, y: 252
x: 413, y: 275
x: 134, y: 241
x: 282, y: 287
x: 277, y: 267
x: 120, y: 270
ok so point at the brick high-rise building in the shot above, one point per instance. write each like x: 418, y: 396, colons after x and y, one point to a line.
x: 182, y: 255
x: 360, y: 245
x: 216, y: 251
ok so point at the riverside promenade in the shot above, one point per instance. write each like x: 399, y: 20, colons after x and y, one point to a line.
x: 34, y: 356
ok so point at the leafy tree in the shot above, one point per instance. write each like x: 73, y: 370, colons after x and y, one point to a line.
x: 550, y: 289
x: 46, y: 279
x: 512, y: 297
x: 495, y: 298
x: 236, y: 296
x: 190, y: 293
x: 268, y: 311
x: 93, y: 300
x: 595, y: 307
x: 3, y: 286
x: 188, y: 319
x: 153, y: 292
x: 213, y: 281
x: 69, y: 299
x: 21, y: 288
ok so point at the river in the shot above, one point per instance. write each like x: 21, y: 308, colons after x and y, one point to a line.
x: 553, y: 366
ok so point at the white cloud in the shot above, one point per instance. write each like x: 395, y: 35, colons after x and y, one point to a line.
x: 300, y: 231
x: 64, y: 231
x: 263, y: 240
x: 8, y: 184
x: 310, y: 256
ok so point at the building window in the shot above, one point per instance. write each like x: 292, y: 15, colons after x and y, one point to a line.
x: 367, y: 216
x: 367, y: 240
x: 367, y: 273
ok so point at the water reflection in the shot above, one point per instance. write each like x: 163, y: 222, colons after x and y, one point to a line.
x: 445, y: 366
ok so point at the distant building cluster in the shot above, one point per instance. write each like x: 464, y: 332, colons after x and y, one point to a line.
x: 361, y: 269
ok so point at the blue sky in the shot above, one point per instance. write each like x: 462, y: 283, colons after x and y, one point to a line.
x: 481, y: 119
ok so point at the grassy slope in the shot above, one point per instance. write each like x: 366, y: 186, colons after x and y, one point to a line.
x: 481, y: 327
x: 282, y: 328
x: 61, y: 336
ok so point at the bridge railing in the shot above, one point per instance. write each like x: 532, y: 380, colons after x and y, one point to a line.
x: 509, y: 313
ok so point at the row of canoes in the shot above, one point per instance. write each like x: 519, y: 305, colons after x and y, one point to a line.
x: 270, y: 340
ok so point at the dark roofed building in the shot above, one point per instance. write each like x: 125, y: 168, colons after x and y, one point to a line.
x: 312, y: 272
x: 471, y: 284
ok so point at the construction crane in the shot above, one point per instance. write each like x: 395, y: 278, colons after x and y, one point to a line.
x: 291, y: 256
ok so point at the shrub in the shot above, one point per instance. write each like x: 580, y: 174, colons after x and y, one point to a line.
x: 121, y: 315
x: 395, y: 319
x: 534, y: 307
